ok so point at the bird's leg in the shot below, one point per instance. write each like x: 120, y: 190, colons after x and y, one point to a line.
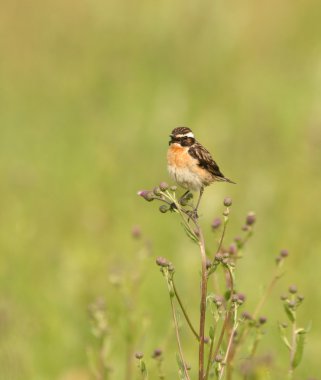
x: 183, y: 196
x: 198, y: 202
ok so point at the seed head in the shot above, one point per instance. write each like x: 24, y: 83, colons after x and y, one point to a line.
x: 173, y: 188
x: 218, y: 358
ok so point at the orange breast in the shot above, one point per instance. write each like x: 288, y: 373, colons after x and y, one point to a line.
x: 177, y: 156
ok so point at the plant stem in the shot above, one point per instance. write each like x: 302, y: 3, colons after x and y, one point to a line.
x: 228, y: 349
x: 228, y: 310
x: 258, y: 308
x: 184, y: 312
x: 178, y: 340
x: 203, y: 301
x: 210, y: 355
x: 293, y: 347
x: 266, y: 295
x: 222, y: 238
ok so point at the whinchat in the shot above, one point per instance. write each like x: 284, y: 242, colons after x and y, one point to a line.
x: 190, y: 164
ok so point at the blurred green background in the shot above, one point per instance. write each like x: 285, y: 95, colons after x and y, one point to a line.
x: 90, y: 91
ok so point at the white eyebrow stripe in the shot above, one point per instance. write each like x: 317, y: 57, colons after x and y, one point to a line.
x: 189, y: 134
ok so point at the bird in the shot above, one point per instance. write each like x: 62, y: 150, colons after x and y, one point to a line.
x: 191, y: 165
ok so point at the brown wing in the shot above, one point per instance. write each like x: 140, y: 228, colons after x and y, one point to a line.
x: 206, y: 161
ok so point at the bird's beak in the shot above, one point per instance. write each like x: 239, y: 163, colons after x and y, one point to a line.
x: 171, y: 139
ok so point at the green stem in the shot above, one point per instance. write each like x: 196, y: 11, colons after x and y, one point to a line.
x: 178, y: 340
x: 203, y: 301
x: 184, y: 312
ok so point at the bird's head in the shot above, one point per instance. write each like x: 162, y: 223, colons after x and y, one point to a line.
x: 182, y: 136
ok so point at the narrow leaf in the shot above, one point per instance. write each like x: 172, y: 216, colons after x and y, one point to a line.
x: 289, y: 312
x: 283, y: 337
x: 300, y: 340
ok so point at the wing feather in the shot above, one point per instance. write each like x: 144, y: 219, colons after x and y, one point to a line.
x: 205, y: 161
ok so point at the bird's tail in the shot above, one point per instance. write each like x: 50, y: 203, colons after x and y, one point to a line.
x: 228, y: 180
x: 224, y: 179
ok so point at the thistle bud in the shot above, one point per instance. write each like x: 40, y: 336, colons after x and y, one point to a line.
x: 293, y: 289
x: 163, y: 209
x: 250, y: 219
x: 262, y: 320
x: 216, y: 223
x: 139, y: 355
x: 157, y: 191
x: 227, y: 202
x: 163, y: 186
x: 157, y: 353
x: 162, y: 262
x: 284, y: 253
x: 146, y: 194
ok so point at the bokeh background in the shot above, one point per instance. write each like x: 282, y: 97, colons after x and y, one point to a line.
x: 90, y: 91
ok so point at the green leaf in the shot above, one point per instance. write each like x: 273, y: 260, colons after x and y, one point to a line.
x: 300, y: 340
x: 289, y: 312
x: 211, y: 332
x: 143, y: 369
x: 190, y: 234
x: 283, y: 337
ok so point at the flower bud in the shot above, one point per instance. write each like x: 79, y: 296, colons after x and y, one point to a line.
x: 157, y: 191
x: 163, y: 186
x: 162, y: 262
x: 227, y: 201
x: 173, y: 188
x: 136, y: 232
x: 139, y: 355
x: 157, y: 353
x: 163, y: 209
x: 232, y: 249
x: 146, y: 194
x: 218, y: 358
x: 262, y: 320
x: 293, y: 289
x: 250, y: 219
x: 246, y: 315
x: 284, y: 253
x: 216, y: 223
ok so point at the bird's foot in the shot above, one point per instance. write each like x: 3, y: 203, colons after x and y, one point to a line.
x: 173, y: 206
x: 183, y: 200
x: 193, y: 214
